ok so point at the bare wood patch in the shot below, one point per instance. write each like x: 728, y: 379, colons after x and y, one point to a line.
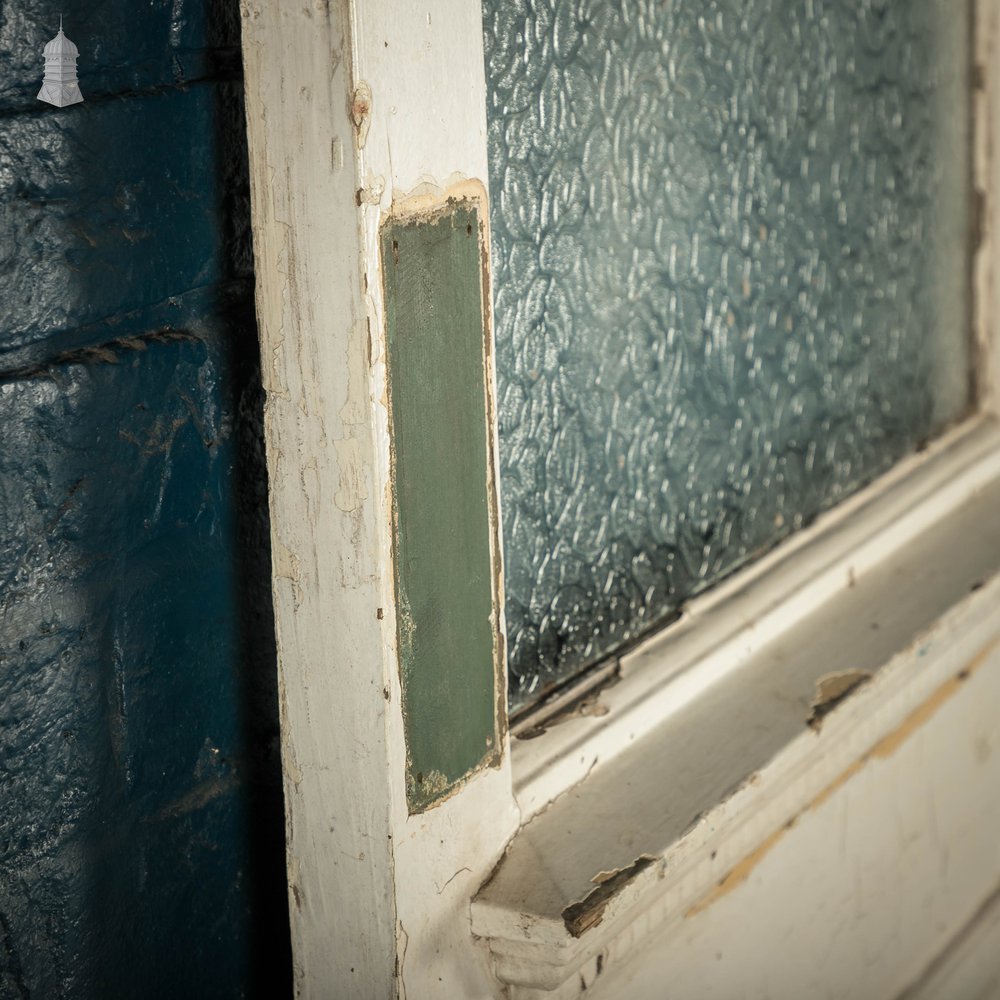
x: 832, y: 690
x: 589, y: 911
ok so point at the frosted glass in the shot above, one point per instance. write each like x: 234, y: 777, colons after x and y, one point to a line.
x: 731, y: 283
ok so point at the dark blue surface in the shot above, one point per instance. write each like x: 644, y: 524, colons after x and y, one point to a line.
x: 141, y: 829
x: 110, y: 208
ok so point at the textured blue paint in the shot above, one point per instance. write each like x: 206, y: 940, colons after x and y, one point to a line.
x: 106, y: 212
x: 141, y: 830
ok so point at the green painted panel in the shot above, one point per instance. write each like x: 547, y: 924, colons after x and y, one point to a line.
x: 436, y: 336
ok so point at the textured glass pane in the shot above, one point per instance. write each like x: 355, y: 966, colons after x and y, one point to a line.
x: 731, y: 287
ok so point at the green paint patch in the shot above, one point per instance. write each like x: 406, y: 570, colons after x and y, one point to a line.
x: 436, y: 334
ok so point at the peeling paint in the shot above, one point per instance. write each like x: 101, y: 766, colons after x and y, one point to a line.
x: 429, y: 199
x: 371, y: 193
x: 581, y: 916
x: 883, y: 749
x: 326, y: 485
x: 294, y: 888
x: 833, y: 689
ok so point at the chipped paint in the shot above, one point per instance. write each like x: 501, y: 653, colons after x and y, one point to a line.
x: 883, y: 749
x: 308, y: 246
x: 361, y: 111
x: 428, y: 200
x: 371, y: 193
x: 832, y: 690
x: 588, y: 912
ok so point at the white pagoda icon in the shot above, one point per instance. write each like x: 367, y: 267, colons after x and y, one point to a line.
x: 59, y: 87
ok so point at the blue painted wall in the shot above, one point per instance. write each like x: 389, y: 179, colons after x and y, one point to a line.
x: 141, y: 830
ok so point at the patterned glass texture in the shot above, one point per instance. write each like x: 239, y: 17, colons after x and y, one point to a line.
x: 731, y: 283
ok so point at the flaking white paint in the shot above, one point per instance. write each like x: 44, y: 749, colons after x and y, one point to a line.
x: 332, y: 654
x: 859, y: 895
x: 389, y: 101
x: 379, y: 899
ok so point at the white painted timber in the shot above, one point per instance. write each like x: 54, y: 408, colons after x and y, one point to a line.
x: 854, y: 901
x: 716, y: 783
x: 725, y: 628
x: 325, y: 484
x: 354, y: 110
